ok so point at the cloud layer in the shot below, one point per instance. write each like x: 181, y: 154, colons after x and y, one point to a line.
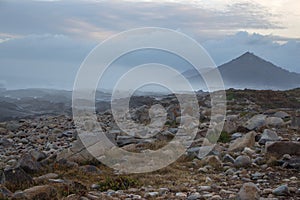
x: 42, y: 43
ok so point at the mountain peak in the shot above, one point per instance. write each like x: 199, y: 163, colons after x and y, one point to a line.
x: 248, y: 54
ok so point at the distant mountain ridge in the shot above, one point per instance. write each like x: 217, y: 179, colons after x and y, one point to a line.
x: 251, y: 71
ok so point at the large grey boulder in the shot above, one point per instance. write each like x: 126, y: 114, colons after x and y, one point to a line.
x: 255, y: 122
x: 268, y: 135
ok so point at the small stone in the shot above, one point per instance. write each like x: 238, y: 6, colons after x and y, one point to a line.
x: 163, y: 191
x: 204, y: 188
x: 95, y: 186
x: 236, y: 136
x: 45, y: 177
x: 216, y: 197
x: 228, y: 158
x: 282, y: 190
x: 90, y: 169
x: 37, y: 155
x: 249, y: 191
x: 181, y: 194
x: 151, y: 194
x: 56, y: 180
x: 194, y: 196
x: 242, y: 161
x: 259, y: 161
x: 248, y: 151
x: 213, y: 161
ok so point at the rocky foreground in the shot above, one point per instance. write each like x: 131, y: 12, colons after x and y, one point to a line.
x: 257, y: 155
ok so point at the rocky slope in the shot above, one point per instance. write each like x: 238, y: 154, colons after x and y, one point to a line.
x: 257, y: 155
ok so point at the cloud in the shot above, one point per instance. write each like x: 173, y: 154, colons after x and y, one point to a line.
x: 42, y: 43
x: 96, y: 19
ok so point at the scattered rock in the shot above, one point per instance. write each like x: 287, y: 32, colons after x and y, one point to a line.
x: 180, y: 195
x: 236, y: 135
x: 274, y: 121
x: 151, y: 194
x: 268, y: 135
x: 282, y: 190
x: 213, y: 161
x: 16, y: 179
x: 228, y: 158
x: 29, y: 164
x: 281, y: 114
x: 37, y: 155
x: 283, y: 147
x: 249, y: 191
x: 255, y: 122
x: 239, y: 144
x: 45, y: 177
x: 43, y: 192
x: 242, y: 161
x: 90, y: 169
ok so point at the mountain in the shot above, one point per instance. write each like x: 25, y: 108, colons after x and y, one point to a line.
x: 251, y: 71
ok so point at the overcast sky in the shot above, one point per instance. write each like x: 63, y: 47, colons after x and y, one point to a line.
x: 43, y: 42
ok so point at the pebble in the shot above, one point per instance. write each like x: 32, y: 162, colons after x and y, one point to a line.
x: 242, y: 161
x: 282, y: 190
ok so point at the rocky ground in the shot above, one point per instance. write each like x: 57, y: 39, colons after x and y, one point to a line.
x: 257, y: 155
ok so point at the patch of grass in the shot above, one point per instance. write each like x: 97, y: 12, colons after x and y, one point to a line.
x: 117, y: 183
x: 230, y: 96
x: 224, y: 137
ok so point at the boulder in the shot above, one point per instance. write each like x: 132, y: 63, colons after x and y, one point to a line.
x: 16, y: 179
x: 268, y: 135
x: 281, y: 114
x: 213, y: 161
x: 282, y: 190
x: 37, y: 155
x: 29, y: 164
x: 274, y: 121
x: 249, y: 191
x: 247, y: 140
x: 255, y: 122
x: 43, y: 192
x: 283, y: 147
x: 242, y: 161
x: 5, y: 143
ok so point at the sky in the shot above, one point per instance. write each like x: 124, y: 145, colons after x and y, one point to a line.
x: 43, y: 42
